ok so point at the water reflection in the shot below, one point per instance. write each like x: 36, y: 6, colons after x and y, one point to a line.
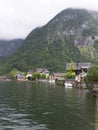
x: 38, y: 106
x: 96, y: 115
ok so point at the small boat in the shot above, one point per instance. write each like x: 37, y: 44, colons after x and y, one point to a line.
x: 52, y: 81
x: 68, y: 85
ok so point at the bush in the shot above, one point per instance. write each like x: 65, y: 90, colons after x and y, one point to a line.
x: 92, y: 77
x: 43, y: 76
x: 92, y: 74
x: 35, y: 76
x: 69, y: 75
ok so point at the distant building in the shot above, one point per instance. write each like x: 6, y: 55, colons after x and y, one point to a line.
x: 4, y: 78
x: 79, y: 67
x: 58, y: 75
x: 29, y: 75
x: 20, y: 76
x: 43, y: 71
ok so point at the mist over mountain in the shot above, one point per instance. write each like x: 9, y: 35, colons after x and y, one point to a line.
x: 8, y: 47
x: 72, y: 35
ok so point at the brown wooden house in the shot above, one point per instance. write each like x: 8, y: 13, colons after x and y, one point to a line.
x: 79, y: 67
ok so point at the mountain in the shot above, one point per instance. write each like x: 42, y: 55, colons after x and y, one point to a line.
x: 7, y: 47
x: 72, y: 35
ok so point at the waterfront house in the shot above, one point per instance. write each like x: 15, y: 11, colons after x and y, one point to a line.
x: 59, y: 79
x: 20, y: 77
x: 43, y: 71
x: 80, y: 70
x: 4, y: 78
x: 58, y: 76
x: 79, y: 67
x: 29, y: 75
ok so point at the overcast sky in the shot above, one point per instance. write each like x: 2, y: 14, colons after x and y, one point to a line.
x: 19, y: 17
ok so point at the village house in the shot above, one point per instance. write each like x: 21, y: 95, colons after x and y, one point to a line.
x: 43, y: 71
x: 58, y: 76
x: 20, y: 77
x: 4, y: 78
x: 80, y: 70
x: 79, y: 67
x: 29, y: 75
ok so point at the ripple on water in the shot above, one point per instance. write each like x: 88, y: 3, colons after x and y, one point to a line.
x: 37, y: 107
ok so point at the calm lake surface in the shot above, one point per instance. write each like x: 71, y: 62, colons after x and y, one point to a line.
x: 42, y: 106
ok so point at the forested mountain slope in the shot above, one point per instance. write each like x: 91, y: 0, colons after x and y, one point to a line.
x: 7, y: 47
x: 71, y: 35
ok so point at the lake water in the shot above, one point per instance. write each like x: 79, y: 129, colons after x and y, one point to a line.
x: 42, y: 106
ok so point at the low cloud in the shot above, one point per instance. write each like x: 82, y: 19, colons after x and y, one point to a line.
x: 19, y: 17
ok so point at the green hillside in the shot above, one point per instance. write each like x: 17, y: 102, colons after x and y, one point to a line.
x: 56, y: 43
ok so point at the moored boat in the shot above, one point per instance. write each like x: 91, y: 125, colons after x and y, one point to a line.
x: 51, y: 81
x: 68, y: 84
